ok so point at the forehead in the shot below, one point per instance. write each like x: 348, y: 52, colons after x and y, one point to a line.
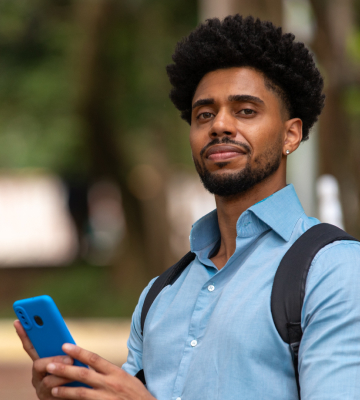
x: 233, y: 81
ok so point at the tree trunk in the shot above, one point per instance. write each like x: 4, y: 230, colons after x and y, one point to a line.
x: 263, y: 9
x: 334, y: 23
x: 143, y: 252
x: 270, y: 10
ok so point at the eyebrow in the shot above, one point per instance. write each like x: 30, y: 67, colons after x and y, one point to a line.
x: 203, y: 102
x: 245, y: 98
x: 236, y: 97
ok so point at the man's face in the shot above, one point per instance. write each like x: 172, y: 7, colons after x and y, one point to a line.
x: 237, y: 130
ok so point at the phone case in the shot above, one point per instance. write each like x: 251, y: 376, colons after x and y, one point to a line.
x: 45, y: 327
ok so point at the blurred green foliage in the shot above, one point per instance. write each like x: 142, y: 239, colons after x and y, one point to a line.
x: 38, y: 126
x: 41, y: 50
x: 353, y: 46
x: 80, y: 290
x: 351, y: 102
x: 351, y: 93
x: 39, y: 58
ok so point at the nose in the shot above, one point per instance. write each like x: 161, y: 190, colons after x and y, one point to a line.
x: 223, y: 124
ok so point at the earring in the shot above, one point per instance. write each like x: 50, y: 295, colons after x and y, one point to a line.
x: 287, y: 152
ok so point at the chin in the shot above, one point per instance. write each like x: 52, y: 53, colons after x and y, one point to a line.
x: 225, y: 169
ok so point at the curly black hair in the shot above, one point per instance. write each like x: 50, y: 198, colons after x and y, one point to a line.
x: 288, y: 66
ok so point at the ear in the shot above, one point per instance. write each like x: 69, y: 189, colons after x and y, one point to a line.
x: 293, y: 135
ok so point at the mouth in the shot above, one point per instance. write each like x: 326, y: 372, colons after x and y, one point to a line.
x: 223, y: 152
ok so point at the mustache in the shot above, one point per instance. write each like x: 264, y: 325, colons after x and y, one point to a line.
x: 226, y: 140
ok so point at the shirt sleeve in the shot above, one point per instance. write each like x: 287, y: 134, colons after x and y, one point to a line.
x: 329, y: 354
x: 135, y: 342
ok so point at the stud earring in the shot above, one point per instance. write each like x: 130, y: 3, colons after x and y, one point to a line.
x: 287, y: 152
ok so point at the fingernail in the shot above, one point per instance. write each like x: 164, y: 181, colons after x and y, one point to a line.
x: 68, y: 346
x: 51, y: 367
x: 67, y: 360
x: 54, y: 391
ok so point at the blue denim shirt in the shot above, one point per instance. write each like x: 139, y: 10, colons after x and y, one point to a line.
x: 211, y: 334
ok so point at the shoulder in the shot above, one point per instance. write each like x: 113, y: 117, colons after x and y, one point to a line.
x: 341, y: 254
x: 334, y: 279
x: 136, y: 318
x: 145, y: 292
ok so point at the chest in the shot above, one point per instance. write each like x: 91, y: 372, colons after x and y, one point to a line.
x: 227, y: 312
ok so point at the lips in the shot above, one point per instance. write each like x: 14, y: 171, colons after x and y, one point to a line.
x: 223, y: 152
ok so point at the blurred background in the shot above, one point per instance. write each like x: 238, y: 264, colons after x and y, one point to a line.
x: 97, y: 188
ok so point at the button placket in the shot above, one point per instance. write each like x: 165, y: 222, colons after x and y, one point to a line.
x: 191, y: 343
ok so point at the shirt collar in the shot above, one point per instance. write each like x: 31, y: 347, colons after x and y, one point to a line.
x: 280, y: 212
x: 204, y: 232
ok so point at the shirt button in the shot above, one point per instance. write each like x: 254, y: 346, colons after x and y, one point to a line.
x: 193, y: 343
x: 211, y: 288
x: 178, y: 398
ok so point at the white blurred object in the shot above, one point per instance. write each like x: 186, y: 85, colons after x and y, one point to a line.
x: 35, y: 226
x: 298, y: 20
x: 106, y: 221
x: 302, y: 164
x: 327, y: 190
x: 188, y: 201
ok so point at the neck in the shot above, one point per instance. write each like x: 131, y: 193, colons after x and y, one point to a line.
x: 229, y: 210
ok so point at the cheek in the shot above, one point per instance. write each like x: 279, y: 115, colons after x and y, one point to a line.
x: 192, y: 146
x: 195, y: 143
x: 269, y: 131
x: 273, y: 147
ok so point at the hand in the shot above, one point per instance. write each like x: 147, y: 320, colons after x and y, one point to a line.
x: 107, y: 380
x: 41, y: 380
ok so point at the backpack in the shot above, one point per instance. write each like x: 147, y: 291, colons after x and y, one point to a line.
x: 288, y: 289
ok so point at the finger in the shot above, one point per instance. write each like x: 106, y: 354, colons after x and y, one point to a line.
x: 81, y: 374
x: 75, y: 393
x: 87, y: 357
x: 51, y: 381
x: 41, y: 364
x: 27, y: 345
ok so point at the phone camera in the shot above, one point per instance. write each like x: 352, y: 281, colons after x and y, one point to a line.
x: 38, y: 320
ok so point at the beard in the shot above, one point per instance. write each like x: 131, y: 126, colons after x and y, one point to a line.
x: 235, y: 183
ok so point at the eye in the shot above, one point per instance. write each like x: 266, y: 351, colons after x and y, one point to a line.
x: 204, y: 115
x: 247, y: 111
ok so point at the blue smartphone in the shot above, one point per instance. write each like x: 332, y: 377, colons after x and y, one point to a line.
x: 45, y: 328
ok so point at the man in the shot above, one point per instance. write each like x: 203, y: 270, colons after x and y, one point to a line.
x: 250, y: 95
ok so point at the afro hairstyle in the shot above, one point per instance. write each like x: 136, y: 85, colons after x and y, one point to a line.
x: 288, y: 66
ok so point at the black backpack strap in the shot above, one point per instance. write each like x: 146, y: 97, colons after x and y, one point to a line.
x: 166, y: 278
x: 288, y: 289
x: 140, y: 375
